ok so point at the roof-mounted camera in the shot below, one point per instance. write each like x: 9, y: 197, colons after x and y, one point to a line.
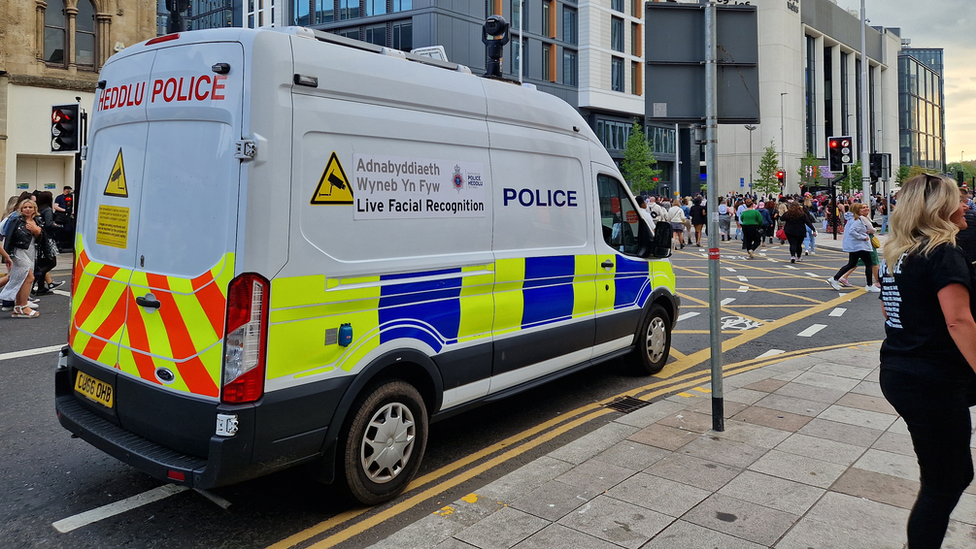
x: 495, y: 35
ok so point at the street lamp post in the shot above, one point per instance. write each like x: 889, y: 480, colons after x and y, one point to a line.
x: 751, y: 128
x: 782, y: 135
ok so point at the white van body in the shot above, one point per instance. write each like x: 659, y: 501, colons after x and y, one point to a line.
x: 298, y: 248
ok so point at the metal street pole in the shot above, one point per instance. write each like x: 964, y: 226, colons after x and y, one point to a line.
x: 711, y: 164
x: 782, y: 137
x: 864, y: 138
x: 750, y: 127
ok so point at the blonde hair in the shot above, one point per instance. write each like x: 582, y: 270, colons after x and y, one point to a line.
x: 856, y: 210
x: 921, y: 221
x: 24, y: 202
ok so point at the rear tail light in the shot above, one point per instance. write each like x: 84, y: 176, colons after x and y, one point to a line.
x: 245, y: 339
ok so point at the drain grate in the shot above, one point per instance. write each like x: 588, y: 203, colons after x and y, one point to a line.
x: 627, y: 404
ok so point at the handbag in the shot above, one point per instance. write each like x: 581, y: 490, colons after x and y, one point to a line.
x: 875, y: 242
x: 781, y: 234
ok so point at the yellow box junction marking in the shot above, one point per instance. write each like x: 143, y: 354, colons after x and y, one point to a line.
x: 333, y: 187
x: 112, y: 228
x: 116, y: 180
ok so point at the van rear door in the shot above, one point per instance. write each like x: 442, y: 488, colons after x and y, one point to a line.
x: 172, y: 211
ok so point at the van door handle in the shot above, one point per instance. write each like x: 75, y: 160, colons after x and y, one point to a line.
x: 148, y: 302
x: 607, y: 264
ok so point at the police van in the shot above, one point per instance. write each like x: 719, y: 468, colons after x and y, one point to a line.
x: 295, y: 248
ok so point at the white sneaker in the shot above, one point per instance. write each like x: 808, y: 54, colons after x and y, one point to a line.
x: 873, y: 289
x: 833, y: 283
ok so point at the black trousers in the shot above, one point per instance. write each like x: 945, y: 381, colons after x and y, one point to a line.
x: 937, y: 415
x: 752, y: 237
x: 852, y: 258
x: 796, y: 244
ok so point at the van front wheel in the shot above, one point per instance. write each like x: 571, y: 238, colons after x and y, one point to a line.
x: 385, y: 442
x: 653, y: 343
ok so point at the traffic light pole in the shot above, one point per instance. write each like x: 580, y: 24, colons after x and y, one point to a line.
x: 711, y: 163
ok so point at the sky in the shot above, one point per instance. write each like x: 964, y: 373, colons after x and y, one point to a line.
x: 947, y: 24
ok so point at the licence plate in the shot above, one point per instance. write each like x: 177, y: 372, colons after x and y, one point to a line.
x: 95, y: 389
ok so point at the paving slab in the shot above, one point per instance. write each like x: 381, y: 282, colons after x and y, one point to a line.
x: 591, y: 444
x: 744, y: 396
x: 803, y: 469
x: 841, y: 370
x: 841, y: 432
x: 596, y: 476
x: 429, y: 532
x: 870, y: 388
x: 795, y: 405
x: 878, y: 487
x: 774, y: 492
x: 553, y: 500
x: 741, y: 519
x: 895, y: 443
x: 839, y: 521
x: 524, y: 479
x: 693, y: 471
x: 557, y: 535
x: 684, y: 534
x: 661, y: 436
x: 687, y: 420
x: 854, y: 416
x: 867, y: 402
x: 768, y: 385
x: 758, y: 435
x: 617, y: 521
x: 658, y: 494
x: 632, y: 455
x: 827, y: 381
x: 708, y: 446
x: 642, y: 417
x: 776, y: 419
x: 501, y: 530
x: 810, y: 392
x: 830, y: 451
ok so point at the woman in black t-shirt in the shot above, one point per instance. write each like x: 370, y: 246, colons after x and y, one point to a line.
x: 698, y: 219
x: 929, y: 353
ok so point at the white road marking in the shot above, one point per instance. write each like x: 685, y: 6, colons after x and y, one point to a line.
x: 838, y: 311
x: 730, y: 269
x: 727, y: 300
x: 760, y: 254
x: 31, y: 352
x: 771, y: 352
x: 686, y: 316
x: 812, y: 275
x: 792, y: 267
x: 61, y: 292
x: 743, y: 289
x: 811, y: 330
x: 771, y: 259
x: 88, y: 517
x: 743, y: 279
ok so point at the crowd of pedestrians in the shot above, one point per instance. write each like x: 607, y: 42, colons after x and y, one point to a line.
x: 34, y: 228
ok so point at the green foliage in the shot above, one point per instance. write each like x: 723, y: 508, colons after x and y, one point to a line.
x: 638, y: 165
x: 902, y: 174
x: 967, y: 168
x: 853, y: 181
x: 768, y: 166
x: 809, y: 173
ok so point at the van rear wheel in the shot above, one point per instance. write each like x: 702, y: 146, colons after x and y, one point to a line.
x: 653, y: 342
x: 385, y: 442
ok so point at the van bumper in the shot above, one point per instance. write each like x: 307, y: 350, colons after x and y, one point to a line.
x: 220, y: 460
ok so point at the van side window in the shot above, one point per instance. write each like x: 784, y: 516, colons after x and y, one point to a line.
x: 619, y: 216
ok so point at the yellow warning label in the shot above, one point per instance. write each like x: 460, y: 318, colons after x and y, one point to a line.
x: 334, y: 187
x: 113, y: 226
x: 116, y: 180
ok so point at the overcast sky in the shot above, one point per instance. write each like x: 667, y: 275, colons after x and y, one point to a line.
x: 947, y: 24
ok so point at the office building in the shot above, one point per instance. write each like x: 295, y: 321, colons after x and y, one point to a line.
x: 921, y: 100
x: 52, y: 52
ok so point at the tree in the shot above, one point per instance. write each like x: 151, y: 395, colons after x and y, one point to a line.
x: 768, y: 166
x: 902, y: 175
x: 809, y: 171
x: 638, y: 165
x: 853, y: 180
x: 967, y: 168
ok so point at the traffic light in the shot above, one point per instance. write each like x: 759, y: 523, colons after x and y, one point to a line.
x: 877, y: 166
x: 839, y: 151
x: 781, y: 177
x: 65, y: 128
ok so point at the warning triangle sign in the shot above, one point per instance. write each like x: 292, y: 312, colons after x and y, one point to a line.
x: 116, y: 180
x: 334, y: 186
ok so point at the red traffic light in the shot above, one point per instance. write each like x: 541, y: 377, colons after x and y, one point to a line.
x: 833, y: 144
x: 780, y: 174
x: 57, y: 115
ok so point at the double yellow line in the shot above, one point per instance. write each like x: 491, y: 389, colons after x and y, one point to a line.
x: 345, y: 525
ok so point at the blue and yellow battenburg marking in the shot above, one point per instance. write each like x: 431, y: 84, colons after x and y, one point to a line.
x: 444, y: 308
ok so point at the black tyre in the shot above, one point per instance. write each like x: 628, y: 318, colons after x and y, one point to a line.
x: 385, y: 441
x: 653, y: 342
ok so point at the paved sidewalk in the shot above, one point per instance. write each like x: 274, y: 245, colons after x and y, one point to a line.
x: 812, y: 457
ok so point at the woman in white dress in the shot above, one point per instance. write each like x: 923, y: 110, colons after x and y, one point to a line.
x: 19, y: 245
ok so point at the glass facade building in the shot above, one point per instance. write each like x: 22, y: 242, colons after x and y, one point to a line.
x: 921, y: 115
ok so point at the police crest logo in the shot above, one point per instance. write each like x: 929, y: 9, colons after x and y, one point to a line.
x: 457, y: 179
